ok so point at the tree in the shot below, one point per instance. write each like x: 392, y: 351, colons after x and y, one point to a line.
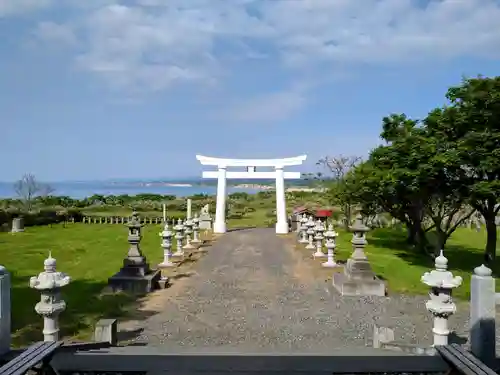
x: 27, y: 188
x: 395, y: 181
x: 471, y: 125
x: 413, y: 176
x: 337, y: 168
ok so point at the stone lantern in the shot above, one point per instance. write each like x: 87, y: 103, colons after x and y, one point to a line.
x: 166, y: 244
x: 49, y: 284
x: 319, y: 229
x: 196, y: 230
x: 441, y: 305
x: 358, y: 241
x: 188, y: 230
x: 303, y: 229
x: 135, y: 276
x: 330, y: 244
x: 179, y: 236
x: 310, y: 233
x: 358, y: 278
x: 135, y: 257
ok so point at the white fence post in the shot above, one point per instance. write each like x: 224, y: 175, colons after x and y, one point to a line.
x: 482, y: 315
x: 5, y: 335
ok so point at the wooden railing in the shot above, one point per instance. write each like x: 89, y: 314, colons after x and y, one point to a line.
x: 99, y: 358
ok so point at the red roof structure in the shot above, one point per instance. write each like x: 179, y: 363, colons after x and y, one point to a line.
x: 324, y: 213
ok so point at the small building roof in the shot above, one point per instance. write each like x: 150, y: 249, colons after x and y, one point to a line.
x: 301, y: 209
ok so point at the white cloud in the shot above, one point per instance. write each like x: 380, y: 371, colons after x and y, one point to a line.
x: 158, y: 43
x: 269, y: 107
x: 14, y: 7
x: 53, y: 32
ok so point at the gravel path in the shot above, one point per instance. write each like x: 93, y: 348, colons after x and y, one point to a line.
x: 251, y: 293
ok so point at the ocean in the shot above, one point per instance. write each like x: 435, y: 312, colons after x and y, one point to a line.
x: 80, y: 190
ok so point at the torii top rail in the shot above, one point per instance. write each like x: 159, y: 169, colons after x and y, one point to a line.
x: 220, y: 162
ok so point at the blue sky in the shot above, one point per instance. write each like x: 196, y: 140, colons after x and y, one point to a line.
x: 100, y: 89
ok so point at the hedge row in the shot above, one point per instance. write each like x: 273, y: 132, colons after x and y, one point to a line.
x: 46, y: 217
x: 42, y: 217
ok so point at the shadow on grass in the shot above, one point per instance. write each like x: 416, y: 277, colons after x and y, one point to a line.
x: 460, y: 258
x: 85, y: 305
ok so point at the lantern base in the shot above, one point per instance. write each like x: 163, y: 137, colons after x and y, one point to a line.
x: 358, y: 279
x: 134, y: 283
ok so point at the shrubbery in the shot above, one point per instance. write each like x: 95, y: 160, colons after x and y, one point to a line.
x: 40, y: 217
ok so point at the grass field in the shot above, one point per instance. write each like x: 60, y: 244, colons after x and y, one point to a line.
x: 402, y: 267
x: 89, y: 254
x: 92, y: 253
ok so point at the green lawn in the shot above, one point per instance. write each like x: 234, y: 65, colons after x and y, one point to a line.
x: 402, y: 268
x: 90, y: 253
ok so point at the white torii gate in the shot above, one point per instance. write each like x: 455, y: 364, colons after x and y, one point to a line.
x: 222, y: 175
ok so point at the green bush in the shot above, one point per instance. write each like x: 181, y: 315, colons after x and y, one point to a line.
x: 41, y: 217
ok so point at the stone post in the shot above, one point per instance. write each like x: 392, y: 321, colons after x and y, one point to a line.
x: 164, y: 212
x: 310, y: 233
x: 319, y: 229
x: 482, y: 315
x: 179, y: 236
x: 303, y: 229
x: 189, y: 208
x: 49, y: 284
x: 17, y: 225
x: 441, y: 305
x: 5, y: 305
x: 330, y: 236
x: 196, y: 230
x: 188, y: 225
x: 167, y: 247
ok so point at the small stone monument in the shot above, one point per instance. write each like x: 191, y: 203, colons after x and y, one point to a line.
x: 318, y: 237
x: 303, y: 229
x: 188, y: 230
x: 358, y: 278
x: 135, y: 276
x: 441, y: 305
x: 49, y: 284
x: 330, y: 244
x: 205, y: 218
x: 179, y: 236
x: 17, y: 225
x: 196, y: 230
x: 310, y: 233
x: 477, y: 224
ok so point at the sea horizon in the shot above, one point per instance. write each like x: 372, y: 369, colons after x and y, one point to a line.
x: 84, y: 189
